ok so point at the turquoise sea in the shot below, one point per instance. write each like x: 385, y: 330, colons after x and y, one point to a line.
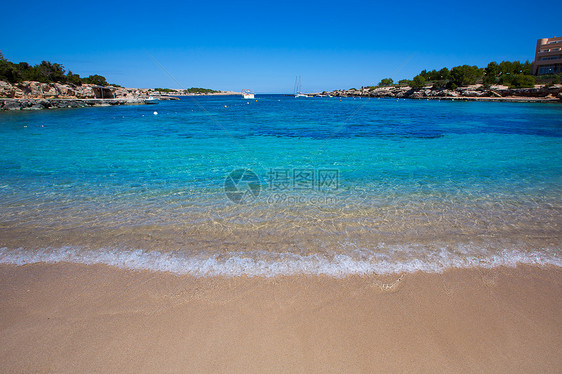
x: 279, y: 185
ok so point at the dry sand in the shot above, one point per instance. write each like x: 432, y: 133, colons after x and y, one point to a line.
x: 68, y: 318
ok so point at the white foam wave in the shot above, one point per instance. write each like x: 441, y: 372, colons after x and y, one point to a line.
x: 267, y: 264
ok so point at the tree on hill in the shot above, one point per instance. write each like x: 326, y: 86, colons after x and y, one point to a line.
x: 465, y: 75
x: 95, y: 79
x: 7, y: 71
x: 511, y: 73
x: 166, y: 90
x: 444, y: 74
x: 50, y: 72
x: 45, y: 72
x: 418, y: 82
x: 491, y: 73
x: 506, y: 71
x: 73, y: 78
x: 435, y: 75
x: 199, y: 90
x: 386, y: 82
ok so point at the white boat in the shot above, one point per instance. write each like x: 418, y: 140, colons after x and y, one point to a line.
x: 247, y: 94
x: 151, y: 100
x: 298, y: 87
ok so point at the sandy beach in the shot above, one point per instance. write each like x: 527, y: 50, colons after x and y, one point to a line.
x: 272, y: 201
x: 75, y: 318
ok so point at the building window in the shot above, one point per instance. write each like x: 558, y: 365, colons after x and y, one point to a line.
x: 547, y: 69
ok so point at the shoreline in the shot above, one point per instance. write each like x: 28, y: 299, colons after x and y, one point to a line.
x: 514, y: 99
x: 269, y: 265
x: 7, y: 104
x: 478, y: 92
x: 62, y: 103
x: 31, y: 95
x: 85, y: 318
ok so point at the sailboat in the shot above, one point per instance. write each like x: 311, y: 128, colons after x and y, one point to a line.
x: 298, y: 87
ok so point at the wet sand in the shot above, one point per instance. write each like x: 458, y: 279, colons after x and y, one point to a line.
x: 69, y: 318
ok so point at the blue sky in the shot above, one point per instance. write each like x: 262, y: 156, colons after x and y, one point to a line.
x: 263, y: 45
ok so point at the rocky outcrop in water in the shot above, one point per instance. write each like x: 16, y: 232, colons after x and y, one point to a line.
x: 37, y: 104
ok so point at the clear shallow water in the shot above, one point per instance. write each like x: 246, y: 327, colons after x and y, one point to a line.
x: 350, y: 186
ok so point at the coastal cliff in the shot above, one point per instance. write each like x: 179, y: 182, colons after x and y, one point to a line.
x: 31, y: 95
x: 37, y: 90
x: 473, y: 92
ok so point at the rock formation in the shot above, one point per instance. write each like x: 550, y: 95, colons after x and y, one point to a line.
x: 474, y: 92
x: 37, y: 90
x: 31, y: 95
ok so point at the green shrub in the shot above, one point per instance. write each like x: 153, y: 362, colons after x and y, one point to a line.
x: 465, y: 75
x: 548, y: 79
x: 386, y: 82
x: 491, y: 73
x: 73, y: 78
x: 506, y: 80
x: 439, y: 85
x: 8, y: 72
x: 199, y: 90
x: 435, y: 75
x: 164, y: 90
x: 522, y: 81
x: 418, y: 82
x: 95, y: 79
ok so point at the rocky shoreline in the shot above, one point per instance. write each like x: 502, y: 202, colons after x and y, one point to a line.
x: 474, y: 92
x: 30, y: 95
x: 38, y: 104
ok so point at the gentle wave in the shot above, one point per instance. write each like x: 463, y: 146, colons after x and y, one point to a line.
x: 267, y: 264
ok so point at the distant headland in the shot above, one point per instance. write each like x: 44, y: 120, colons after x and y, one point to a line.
x: 506, y: 81
x: 49, y: 85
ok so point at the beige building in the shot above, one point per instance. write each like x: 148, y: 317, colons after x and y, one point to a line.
x: 548, y: 56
